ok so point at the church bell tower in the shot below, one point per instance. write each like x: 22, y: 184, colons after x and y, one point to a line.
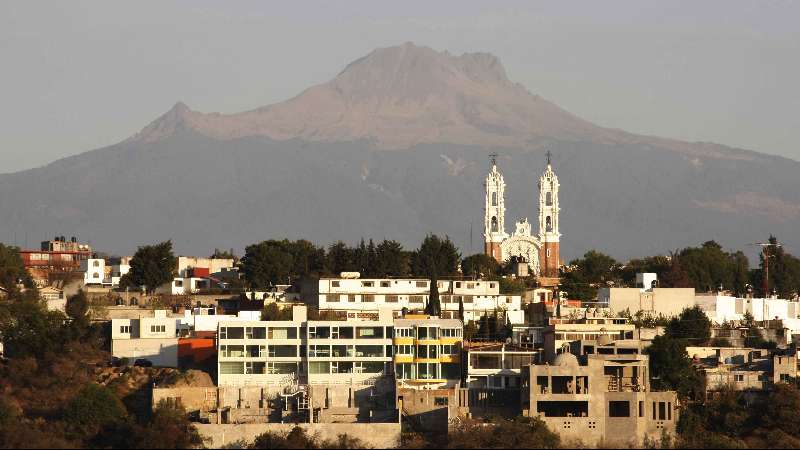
x: 549, y: 235
x: 494, y: 212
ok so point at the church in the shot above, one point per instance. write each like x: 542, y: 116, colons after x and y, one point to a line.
x: 540, y: 251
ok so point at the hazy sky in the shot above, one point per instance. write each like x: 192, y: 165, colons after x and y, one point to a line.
x: 75, y: 76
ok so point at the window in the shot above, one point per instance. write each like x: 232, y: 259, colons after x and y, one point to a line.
x: 367, y: 284
x: 549, y: 199
x: 254, y: 367
x: 96, y: 275
x: 449, y: 349
x: 422, y: 284
x: 282, y: 333
x: 404, y: 350
x: 619, y: 409
x: 369, y: 351
x: 494, y: 198
x: 125, y: 329
x: 283, y: 351
x: 402, y: 332
x: 494, y: 224
x: 351, y: 298
x: 231, y: 368
x: 319, y: 367
x: 739, y: 378
x: 255, y: 332
x: 329, y: 298
x: 178, y: 283
x: 334, y: 283
x: 392, y: 299
x: 385, y: 284
x: 405, y: 371
x: 231, y: 333
x: 548, y: 224
x: 662, y: 411
x: 158, y: 328
x: 96, y: 263
x: 440, y: 401
x: 451, y: 332
x: 641, y: 409
x: 368, y: 298
x: 369, y: 333
x: 415, y: 299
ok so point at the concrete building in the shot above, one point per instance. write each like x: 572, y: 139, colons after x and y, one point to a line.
x: 647, y: 297
x: 742, y: 368
x: 304, y: 352
x: 428, y: 351
x: 498, y: 365
x: 151, y: 338
x: 479, y: 297
x: 598, y: 400
x: 561, y: 333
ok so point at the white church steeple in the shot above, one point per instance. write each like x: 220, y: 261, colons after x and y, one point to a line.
x: 494, y: 211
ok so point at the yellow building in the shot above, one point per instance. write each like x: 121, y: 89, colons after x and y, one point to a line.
x: 427, y: 351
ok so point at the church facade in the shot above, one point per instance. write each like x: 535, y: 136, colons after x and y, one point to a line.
x: 540, y: 251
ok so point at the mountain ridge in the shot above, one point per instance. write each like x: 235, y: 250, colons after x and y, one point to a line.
x: 395, y: 146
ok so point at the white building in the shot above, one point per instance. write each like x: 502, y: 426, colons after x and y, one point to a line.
x: 184, y: 286
x: 190, y: 266
x: 498, y: 365
x: 96, y: 272
x: 726, y: 308
x: 646, y: 297
x: 479, y: 297
x: 206, y: 319
x: 301, y: 351
x: 152, y: 338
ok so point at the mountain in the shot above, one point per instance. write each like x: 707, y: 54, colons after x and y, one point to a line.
x: 396, y: 146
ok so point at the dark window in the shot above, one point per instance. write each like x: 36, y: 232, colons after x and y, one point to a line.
x: 619, y: 409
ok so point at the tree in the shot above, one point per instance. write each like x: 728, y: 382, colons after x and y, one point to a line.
x: 675, y: 276
x: 583, y: 276
x: 224, y: 254
x: 521, y: 432
x: 168, y: 428
x: 267, y: 263
x: 692, y: 324
x: 341, y: 258
x: 671, y: 368
x: 709, y: 267
x: 461, y: 308
x: 436, y: 257
x: 480, y: 265
x: 29, y: 329
x: 77, y: 308
x: 92, y: 409
x: 392, y: 260
x: 12, y: 269
x: 434, y: 306
x: 152, y: 266
x: 784, y: 272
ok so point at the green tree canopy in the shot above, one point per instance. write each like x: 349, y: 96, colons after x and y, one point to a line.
x: 584, y: 276
x: 480, y: 265
x: 152, y: 266
x: 692, y: 325
x: 12, y: 268
x: 436, y: 257
x: 92, y: 409
x: 281, y: 262
x: 671, y: 368
x: 708, y: 267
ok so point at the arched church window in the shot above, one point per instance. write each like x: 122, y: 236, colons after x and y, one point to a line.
x: 494, y: 224
x: 494, y: 198
x: 549, y: 199
x: 548, y: 224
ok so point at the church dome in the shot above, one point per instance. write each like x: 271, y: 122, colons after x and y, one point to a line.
x: 566, y: 360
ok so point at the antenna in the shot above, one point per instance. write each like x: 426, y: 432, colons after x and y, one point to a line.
x: 493, y: 158
x: 548, y: 154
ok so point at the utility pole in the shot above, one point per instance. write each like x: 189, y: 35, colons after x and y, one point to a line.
x: 765, y: 246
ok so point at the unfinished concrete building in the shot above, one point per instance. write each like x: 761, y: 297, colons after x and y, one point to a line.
x: 598, y: 399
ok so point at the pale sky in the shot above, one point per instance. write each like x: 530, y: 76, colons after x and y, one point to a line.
x: 76, y: 76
